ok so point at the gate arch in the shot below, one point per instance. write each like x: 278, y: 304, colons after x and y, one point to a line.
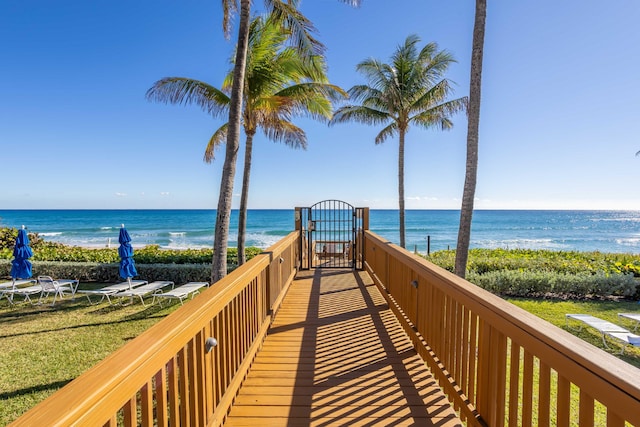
x: 331, y: 235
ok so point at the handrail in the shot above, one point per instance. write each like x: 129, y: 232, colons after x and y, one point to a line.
x: 499, y: 364
x: 166, y: 376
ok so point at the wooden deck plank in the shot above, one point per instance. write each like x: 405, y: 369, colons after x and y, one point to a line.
x: 336, y: 355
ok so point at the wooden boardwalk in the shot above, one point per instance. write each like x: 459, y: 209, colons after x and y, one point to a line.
x: 336, y: 356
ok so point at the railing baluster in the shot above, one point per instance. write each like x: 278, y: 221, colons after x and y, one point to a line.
x: 544, y: 395
x: 463, y: 380
x: 130, y: 412
x: 174, y: 391
x: 499, y: 381
x: 563, y: 397
x: 146, y: 405
x: 527, y: 390
x: 514, y: 383
x: 473, y: 359
x: 217, y: 363
x: 183, y: 386
x: 585, y: 416
x: 209, y: 379
x: 162, y: 408
x: 613, y: 420
x: 200, y: 377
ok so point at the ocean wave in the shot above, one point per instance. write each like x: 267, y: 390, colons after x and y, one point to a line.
x: 629, y: 241
x: 184, y: 246
x: 50, y: 234
x: 542, y: 243
x: 177, y: 233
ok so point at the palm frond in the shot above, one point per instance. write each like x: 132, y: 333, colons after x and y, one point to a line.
x: 218, y: 137
x: 313, y: 89
x: 439, y: 114
x: 379, y: 75
x: 386, y: 133
x: 360, y: 93
x: 181, y: 90
x: 432, y: 96
x: 229, y: 8
x: 285, y: 132
x: 360, y: 114
x: 298, y: 25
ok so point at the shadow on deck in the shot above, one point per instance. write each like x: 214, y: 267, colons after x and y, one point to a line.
x: 336, y: 355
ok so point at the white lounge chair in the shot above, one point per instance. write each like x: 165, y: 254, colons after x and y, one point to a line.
x: 145, y: 290
x: 631, y: 316
x: 25, y: 292
x: 13, y: 283
x: 108, y: 291
x: 181, y: 292
x: 56, y: 287
x: 606, y: 329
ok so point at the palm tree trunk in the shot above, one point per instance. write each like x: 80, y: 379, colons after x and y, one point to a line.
x: 244, y: 198
x: 401, y: 186
x: 466, y: 210
x: 223, y: 215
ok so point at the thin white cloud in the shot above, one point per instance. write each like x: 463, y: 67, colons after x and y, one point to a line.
x: 121, y: 194
x: 164, y: 193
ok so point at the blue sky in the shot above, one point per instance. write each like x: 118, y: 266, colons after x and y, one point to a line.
x: 560, y: 114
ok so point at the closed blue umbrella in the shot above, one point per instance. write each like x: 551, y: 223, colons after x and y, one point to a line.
x: 21, y: 266
x: 127, y: 265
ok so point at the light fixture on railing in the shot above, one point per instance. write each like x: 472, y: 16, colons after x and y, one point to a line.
x: 210, y: 343
x: 281, y: 260
x: 414, y: 283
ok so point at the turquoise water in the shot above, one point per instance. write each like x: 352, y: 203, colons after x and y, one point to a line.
x: 605, y: 231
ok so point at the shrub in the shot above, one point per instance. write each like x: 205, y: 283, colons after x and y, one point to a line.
x: 544, y: 283
x: 152, y: 254
x: 101, y: 265
x: 485, y: 260
x: 105, y: 273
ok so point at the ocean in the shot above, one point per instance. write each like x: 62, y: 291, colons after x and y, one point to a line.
x: 604, y: 231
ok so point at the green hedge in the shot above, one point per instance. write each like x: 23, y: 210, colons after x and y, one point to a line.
x: 152, y: 254
x: 546, y: 283
x: 535, y: 273
x: 485, y: 260
x: 109, y: 272
x: 146, y: 255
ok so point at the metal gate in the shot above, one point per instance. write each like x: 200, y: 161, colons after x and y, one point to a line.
x: 331, y: 235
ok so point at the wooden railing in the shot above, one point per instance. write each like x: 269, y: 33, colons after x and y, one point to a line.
x: 498, y: 364
x: 170, y: 375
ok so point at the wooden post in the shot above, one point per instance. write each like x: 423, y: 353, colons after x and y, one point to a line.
x: 298, y: 219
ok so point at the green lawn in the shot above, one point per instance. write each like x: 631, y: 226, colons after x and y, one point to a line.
x: 43, y: 347
x: 553, y: 311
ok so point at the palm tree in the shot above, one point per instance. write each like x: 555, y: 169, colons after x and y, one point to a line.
x: 223, y: 212
x: 288, y: 15
x: 279, y: 84
x: 466, y: 210
x: 410, y: 90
